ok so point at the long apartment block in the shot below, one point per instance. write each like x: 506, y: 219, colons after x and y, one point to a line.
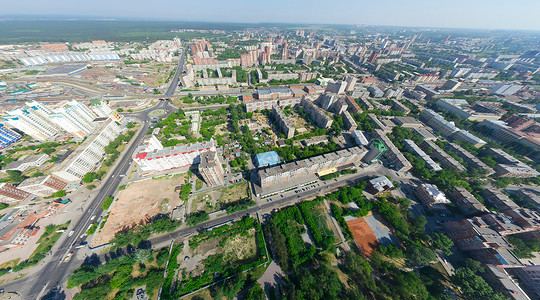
x: 285, y: 173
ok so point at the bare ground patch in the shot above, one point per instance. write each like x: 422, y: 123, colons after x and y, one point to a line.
x: 136, y: 203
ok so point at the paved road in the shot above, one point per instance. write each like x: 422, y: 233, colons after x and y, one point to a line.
x: 278, y: 202
x: 179, y: 70
x: 55, y: 272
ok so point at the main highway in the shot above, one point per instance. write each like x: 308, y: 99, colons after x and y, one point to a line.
x: 179, y: 70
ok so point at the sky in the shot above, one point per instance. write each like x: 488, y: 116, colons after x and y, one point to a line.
x: 484, y: 14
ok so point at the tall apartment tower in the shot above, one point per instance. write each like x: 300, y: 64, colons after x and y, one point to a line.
x: 373, y: 58
x: 33, y: 121
x: 102, y: 110
x: 210, y: 169
x: 284, y: 51
x: 75, y: 118
x: 8, y: 136
x: 351, y: 82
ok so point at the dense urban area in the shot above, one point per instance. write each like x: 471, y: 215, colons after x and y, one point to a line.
x: 271, y: 162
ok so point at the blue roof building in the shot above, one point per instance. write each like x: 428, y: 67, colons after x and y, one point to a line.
x: 8, y: 136
x: 267, y: 159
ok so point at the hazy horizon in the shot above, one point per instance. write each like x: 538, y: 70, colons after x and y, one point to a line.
x: 459, y: 14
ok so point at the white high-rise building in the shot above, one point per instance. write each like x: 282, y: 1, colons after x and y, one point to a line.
x: 33, y: 121
x: 102, y: 110
x: 75, y: 118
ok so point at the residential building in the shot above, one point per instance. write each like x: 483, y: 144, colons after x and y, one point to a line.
x: 340, y: 106
x: 530, y: 197
x: 75, y: 118
x: 467, y: 137
x: 43, y: 186
x: 466, y: 202
x: 168, y: 158
x: 451, y: 85
x: 25, y: 163
x: 11, y: 194
x: 407, y: 122
x: 448, y: 129
x: 379, y: 185
x: 528, y: 278
x: 351, y: 82
x: 299, y: 170
x: 282, y: 122
x: 396, y: 105
x: 32, y: 121
x: 395, y: 92
x: 366, y: 103
x: 431, y: 197
x: 352, y: 105
x: 376, y: 149
x: 480, y: 241
x: 510, y: 166
x: 425, y: 134
x: 314, y: 140
x: 498, y: 199
x: 8, y: 136
x: 375, y: 92
x: 471, y: 160
x: 327, y: 100
x: 438, y: 123
x: 102, y: 110
x: 520, y: 221
x: 515, y: 129
x: 504, y: 89
x: 360, y: 138
x: 443, y: 158
x: 461, y: 108
x: 259, y: 105
x: 245, y: 60
x: 348, y: 121
x: 337, y: 87
x: 430, y: 93
x: 86, y: 157
x: 411, y: 146
x: 274, y: 93
x: 395, y: 158
x: 211, y: 169
x: 316, y: 115
x: 381, y: 123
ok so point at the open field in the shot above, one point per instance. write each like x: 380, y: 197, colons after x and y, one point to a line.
x: 212, y: 200
x: 363, y: 236
x: 139, y: 201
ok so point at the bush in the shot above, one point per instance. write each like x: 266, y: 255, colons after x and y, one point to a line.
x: 197, y: 218
x: 107, y: 203
x: 58, y: 194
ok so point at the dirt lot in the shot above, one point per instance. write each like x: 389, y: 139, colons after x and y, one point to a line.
x: 139, y: 199
x: 210, y: 201
x: 363, y: 236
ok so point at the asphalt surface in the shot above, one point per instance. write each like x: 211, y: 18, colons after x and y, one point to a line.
x: 179, y: 70
x: 289, y: 198
x: 48, y: 281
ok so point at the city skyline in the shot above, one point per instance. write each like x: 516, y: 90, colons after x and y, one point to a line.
x: 481, y: 14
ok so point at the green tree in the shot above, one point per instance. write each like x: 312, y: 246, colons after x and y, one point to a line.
x: 256, y: 293
x: 15, y: 176
x: 442, y: 242
x: 89, y: 177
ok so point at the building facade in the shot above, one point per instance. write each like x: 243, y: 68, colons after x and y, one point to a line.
x: 43, y: 186
x: 211, y: 169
